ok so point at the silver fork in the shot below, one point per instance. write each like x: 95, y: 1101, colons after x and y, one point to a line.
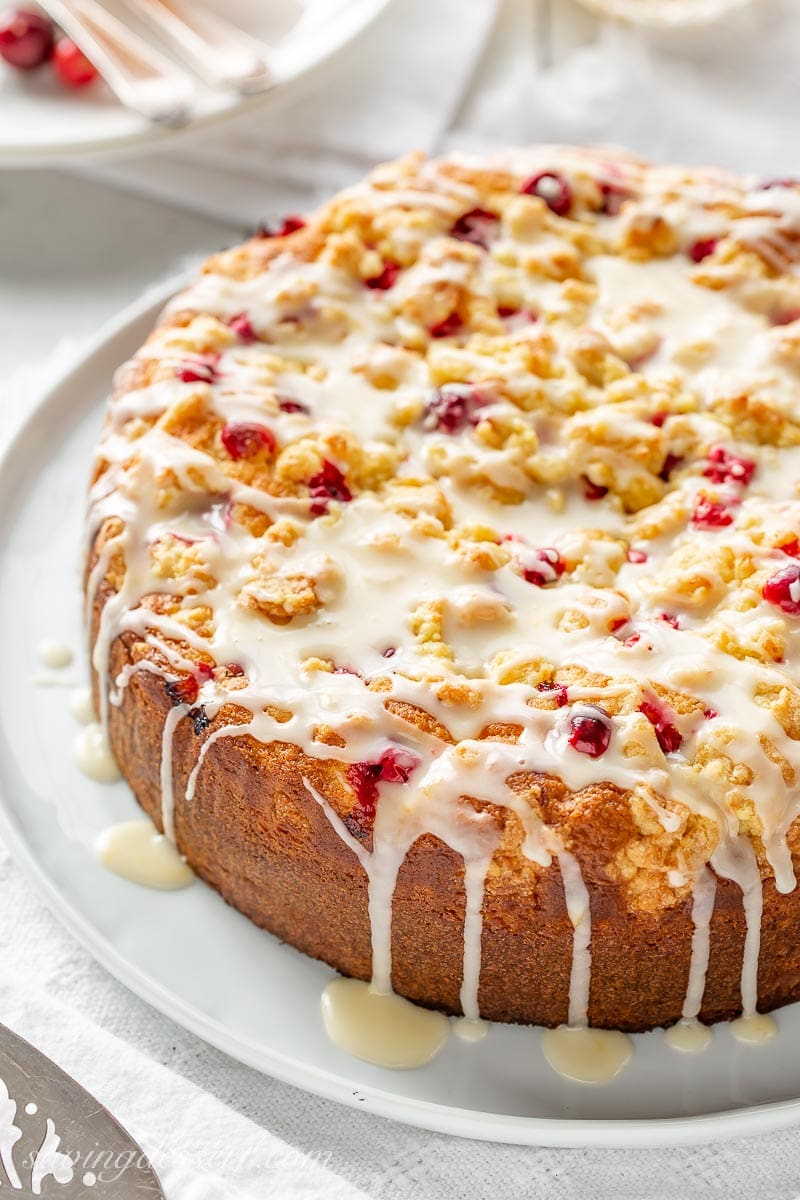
x: 221, y: 54
x: 139, y: 75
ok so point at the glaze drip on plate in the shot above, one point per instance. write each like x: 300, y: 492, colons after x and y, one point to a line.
x: 485, y: 478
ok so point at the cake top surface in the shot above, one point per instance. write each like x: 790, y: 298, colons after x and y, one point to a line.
x: 487, y: 467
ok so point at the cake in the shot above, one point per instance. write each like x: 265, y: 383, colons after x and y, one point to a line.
x: 444, y: 585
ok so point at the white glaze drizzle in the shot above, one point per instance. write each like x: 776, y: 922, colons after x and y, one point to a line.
x: 135, y: 850
x: 93, y: 754
x: 380, y: 1027
x: 704, y: 892
x: 688, y: 1037
x: 54, y: 654
x: 483, y: 619
x: 754, y: 1029
x: 593, y: 1056
x: 81, y: 706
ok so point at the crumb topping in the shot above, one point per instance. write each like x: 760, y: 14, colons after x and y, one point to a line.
x: 511, y: 442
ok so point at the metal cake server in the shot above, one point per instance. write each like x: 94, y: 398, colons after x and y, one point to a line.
x: 57, y: 1141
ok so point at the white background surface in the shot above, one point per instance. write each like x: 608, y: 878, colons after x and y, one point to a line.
x: 71, y: 254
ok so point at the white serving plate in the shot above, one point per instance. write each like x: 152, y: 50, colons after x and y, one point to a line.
x: 43, y: 122
x: 205, y: 965
x: 666, y: 14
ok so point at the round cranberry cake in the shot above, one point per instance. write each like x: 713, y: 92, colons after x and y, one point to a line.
x: 444, y: 585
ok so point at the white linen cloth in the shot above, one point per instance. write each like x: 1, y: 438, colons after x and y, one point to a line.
x: 214, y: 1128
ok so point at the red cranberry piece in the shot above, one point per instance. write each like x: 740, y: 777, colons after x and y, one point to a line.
x: 386, y: 278
x: 783, y: 590
x: 476, y: 226
x: 593, y: 491
x: 659, y: 715
x: 182, y: 691
x: 590, y: 731
x: 453, y: 407
x: 240, y: 324
x: 234, y: 668
x: 635, y: 556
x: 200, y: 719
x: 710, y: 714
x: 448, y: 327
x: 26, y: 39
x: 245, y: 439
x: 617, y: 623
x: 204, y: 671
x: 658, y: 418
x: 507, y: 313
x: 633, y: 640
x: 613, y: 197
x: 288, y: 225
x: 72, y: 66
x: 394, y: 766
x: 542, y: 566
x: 363, y: 779
x: 670, y: 463
x: 784, y: 316
x: 390, y: 652
x: 557, y: 691
x: 792, y: 548
x: 199, y: 370
x: 710, y: 514
x: 670, y: 620
x: 397, y: 765
x: 552, y: 188
x: 702, y: 248
x: 287, y: 405
x: 724, y: 467
x: 328, y: 484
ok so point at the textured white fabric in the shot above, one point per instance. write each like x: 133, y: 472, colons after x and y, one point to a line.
x: 215, y: 1128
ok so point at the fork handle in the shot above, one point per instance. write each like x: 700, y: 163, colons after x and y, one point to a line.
x: 142, y: 78
x: 221, y: 54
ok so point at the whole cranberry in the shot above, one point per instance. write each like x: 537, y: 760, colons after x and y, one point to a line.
x: 702, y: 248
x: 241, y: 326
x: 477, y: 226
x: 26, y: 38
x: 590, y: 731
x: 453, y: 407
x: 71, y: 65
x: 245, y: 439
x: 386, y: 277
x: 783, y: 590
x: 552, y: 188
x: 542, y: 566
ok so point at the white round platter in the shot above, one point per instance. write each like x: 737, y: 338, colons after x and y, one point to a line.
x: 205, y: 965
x: 41, y: 122
x: 666, y: 14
